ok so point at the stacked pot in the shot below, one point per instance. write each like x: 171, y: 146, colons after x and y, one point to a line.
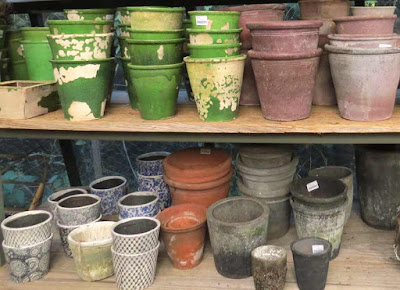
x: 17, y: 65
x: 265, y: 173
x: 285, y: 58
x: 215, y: 65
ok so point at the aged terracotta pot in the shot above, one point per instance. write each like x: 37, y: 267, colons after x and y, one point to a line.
x: 372, y: 11
x: 365, y: 41
x: 323, y: 9
x: 365, y: 81
x: 365, y: 24
x: 285, y: 83
x: 249, y: 94
x: 328, y: 27
x: 324, y: 91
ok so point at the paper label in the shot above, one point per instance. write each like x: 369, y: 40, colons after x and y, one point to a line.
x: 110, y: 17
x: 385, y: 45
x: 205, y: 151
x: 312, y: 186
x: 201, y: 20
x: 317, y: 249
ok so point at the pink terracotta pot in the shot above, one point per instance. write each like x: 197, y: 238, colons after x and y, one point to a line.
x: 365, y: 81
x: 324, y: 91
x: 285, y: 36
x: 285, y: 83
x: 365, y: 41
x: 376, y: 10
x: 323, y: 9
x: 249, y: 94
x: 365, y: 24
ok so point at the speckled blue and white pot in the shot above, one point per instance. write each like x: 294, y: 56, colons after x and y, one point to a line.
x: 139, y: 204
x: 78, y: 209
x: 59, y: 195
x: 151, y: 164
x: 110, y: 189
x: 158, y: 185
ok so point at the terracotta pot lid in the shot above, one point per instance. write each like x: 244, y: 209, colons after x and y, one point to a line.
x: 265, y: 55
x: 276, y: 25
x: 364, y: 37
x: 197, y: 165
x: 255, y: 7
x: 363, y: 18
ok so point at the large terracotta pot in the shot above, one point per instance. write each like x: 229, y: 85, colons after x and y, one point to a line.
x: 249, y: 94
x: 365, y: 81
x: 365, y: 24
x: 365, y: 41
x: 285, y: 83
x: 324, y: 91
x: 323, y: 9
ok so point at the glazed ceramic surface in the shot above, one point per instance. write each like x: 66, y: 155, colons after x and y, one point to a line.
x: 89, y: 14
x: 34, y: 33
x: 138, y: 204
x: 54, y: 198
x: 199, y: 36
x: 151, y: 164
x: 138, y: 34
x: 207, y: 20
x: 124, y: 46
x: 79, y: 27
x: 37, y: 56
x: 18, y: 70
x: 158, y: 185
x: 78, y: 209
x: 214, y: 50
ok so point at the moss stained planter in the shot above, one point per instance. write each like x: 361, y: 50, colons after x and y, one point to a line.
x: 214, y: 50
x: 35, y: 33
x: 89, y: 14
x: 133, y: 100
x: 79, y: 27
x: 156, y: 18
x: 137, y: 34
x: 222, y: 20
x: 216, y: 36
x: 37, y: 56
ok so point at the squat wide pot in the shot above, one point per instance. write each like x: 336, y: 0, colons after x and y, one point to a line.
x: 137, y: 204
x: 133, y: 101
x: 137, y: 34
x: 216, y: 36
x: 365, y: 41
x: 365, y: 81
x: 34, y: 33
x: 156, y: 18
x: 214, y: 50
x: 37, y: 55
x: 89, y: 14
x: 323, y: 9
x: 237, y: 226
x: 222, y: 20
x: 365, y: 24
x: 249, y: 94
x: 79, y: 27
x: 54, y: 198
x: 78, y: 209
x: 151, y: 164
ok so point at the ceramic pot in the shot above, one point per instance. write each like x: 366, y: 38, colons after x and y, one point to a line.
x: 110, y: 189
x: 237, y: 226
x: 138, y: 204
x: 83, y: 87
x: 214, y: 50
x: 151, y: 164
x: 249, y: 94
x: 219, y: 100
x: 123, y: 15
x: 183, y: 229
x: 137, y: 34
x: 262, y: 184
x: 54, y: 198
x: 373, y: 11
x: 18, y: 70
x: 265, y: 156
x: 285, y: 83
x: 91, y: 248
x: 329, y: 27
x: 78, y: 209
x: 324, y: 91
x: 158, y: 185
x: 365, y: 24
x: 29, y: 263
x: 323, y: 9
x: 133, y: 101
x: 123, y: 43
x: 201, y: 37
x: 28, y: 228
x: 3, y: 29
x: 89, y: 14
x: 208, y: 20
x: 37, y: 55
x: 376, y: 73
x: 79, y: 27
x: 365, y: 41
x: 276, y: 193
x: 156, y: 18
x: 15, y: 49
x: 34, y: 33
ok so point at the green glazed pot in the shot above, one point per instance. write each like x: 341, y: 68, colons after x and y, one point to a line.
x: 15, y: 49
x: 223, y: 20
x: 155, y: 52
x: 4, y: 69
x: 13, y: 34
x: 3, y: 29
x: 81, y: 46
x: 216, y: 85
x: 129, y: 84
x: 136, y: 34
x: 89, y: 14
x: 83, y: 86
x: 157, y: 88
x: 156, y: 18
x: 123, y: 29
x: 79, y: 27
x: 18, y: 70
x: 123, y: 15
x: 35, y: 33
x: 37, y: 56
x: 200, y: 36
x: 124, y: 46
x: 214, y: 50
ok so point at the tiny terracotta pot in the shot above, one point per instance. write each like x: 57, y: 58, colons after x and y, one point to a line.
x: 365, y: 41
x: 365, y: 24
x: 249, y: 94
x: 183, y: 229
x: 324, y: 91
x: 323, y: 9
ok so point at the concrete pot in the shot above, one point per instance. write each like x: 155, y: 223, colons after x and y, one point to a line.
x: 208, y: 20
x: 216, y: 36
x: 151, y: 164
x: 133, y: 100
x: 249, y: 94
x: 365, y: 41
x: 34, y: 33
x: 156, y: 18
x: 138, y: 204
x: 373, y: 11
x: 265, y: 156
x: 280, y: 192
x: 365, y: 24
x: 37, y: 55
x: 54, y: 198
x: 79, y: 27
x: 323, y: 9
x: 89, y: 14
x: 78, y: 209
x: 324, y: 91
x: 214, y: 50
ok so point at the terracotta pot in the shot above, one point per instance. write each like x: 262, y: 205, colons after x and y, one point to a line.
x: 285, y: 83
x: 285, y: 36
x: 365, y: 81
x: 324, y: 91
x: 249, y: 94
x: 328, y: 27
x: 183, y: 229
x: 365, y: 24
x: 323, y: 9
x: 365, y: 41
x: 373, y: 11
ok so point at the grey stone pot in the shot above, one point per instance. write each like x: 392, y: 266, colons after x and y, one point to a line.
x: 78, y: 209
x: 280, y: 192
x: 270, y: 173
x: 265, y: 156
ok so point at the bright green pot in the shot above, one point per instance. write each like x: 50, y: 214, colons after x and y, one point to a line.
x: 201, y: 36
x: 13, y: 34
x: 216, y: 85
x: 136, y: 34
x: 37, y: 56
x: 83, y: 87
x: 79, y: 27
x: 3, y: 29
x: 18, y: 70
x: 123, y: 15
x: 155, y: 52
x: 214, y: 50
x: 156, y: 18
x: 215, y: 19
x: 35, y: 33
x: 15, y: 49
x: 156, y: 88
x: 129, y: 84
x: 124, y: 46
x: 89, y: 14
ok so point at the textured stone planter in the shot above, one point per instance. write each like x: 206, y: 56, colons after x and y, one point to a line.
x: 156, y: 18
x: 323, y: 9
x: 365, y: 24
x: 133, y: 101
x: 34, y: 33
x: 373, y: 11
x: 53, y: 199
x: 138, y: 204
x: 365, y: 41
x: 201, y: 37
x: 249, y: 94
x: 78, y: 209
x: 89, y: 14
x: 208, y: 20
x: 150, y: 164
x: 79, y: 27
x: 280, y: 192
x: 214, y: 50
x: 265, y: 156
x: 137, y: 34
x: 37, y: 55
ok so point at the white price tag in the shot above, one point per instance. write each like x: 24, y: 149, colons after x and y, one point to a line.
x: 201, y: 20
x: 384, y: 45
x: 206, y: 151
x: 317, y: 249
x: 312, y: 186
x: 110, y: 17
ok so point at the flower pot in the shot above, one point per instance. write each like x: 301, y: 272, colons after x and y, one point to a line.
x: 156, y: 184
x: 151, y: 164
x: 91, y: 248
x: 124, y: 46
x: 237, y: 226
x: 324, y: 91
x: 18, y: 70
x: 133, y: 101
x: 269, y: 267
x: 262, y: 184
x: 156, y: 102
x: 79, y: 27
x: 249, y: 94
x: 329, y: 27
x: 183, y: 230
x: 276, y: 193
x: 3, y: 29
x: 366, y: 86
x: 122, y: 29
x: 110, y: 189
x: 89, y: 14
x: 219, y: 99
x: 37, y: 55
x: 265, y: 156
x: 365, y: 24
x: 137, y: 34
x: 221, y: 20
x: 138, y: 204
x: 15, y: 50
x: 323, y: 9
x: 214, y: 50
x: 54, y: 198
x: 215, y: 36
x: 78, y: 209
x: 156, y: 18
x: 27, y: 228
x: 285, y: 83
x: 155, y: 52
x: 311, y: 267
x: 365, y: 41
x: 83, y: 87
x: 373, y: 11
x: 30, y: 263
x: 35, y: 33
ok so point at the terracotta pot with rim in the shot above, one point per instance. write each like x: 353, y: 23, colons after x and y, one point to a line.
x: 372, y: 11
x: 365, y: 24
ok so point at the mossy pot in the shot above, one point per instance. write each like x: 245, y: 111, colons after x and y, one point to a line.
x: 89, y: 14
x: 215, y: 36
x: 15, y: 49
x: 124, y: 46
x: 37, y: 56
x: 156, y: 18
x: 35, y: 33
x: 223, y: 20
x: 214, y: 50
x: 3, y: 29
x: 137, y: 34
x: 79, y: 27
x: 18, y: 70
x: 129, y: 84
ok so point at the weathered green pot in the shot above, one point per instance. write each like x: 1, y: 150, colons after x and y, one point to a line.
x: 81, y: 46
x: 155, y: 52
x: 156, y: 18
x: 4, y: 75
x: 214, y: 50
x: 37, y: 56
x: 79, y: 27
x: 133, y: 101
x: 156, y: 88
x: 18, y: 70
x: 122, y: 30
x: 223, y: 20
x: 89, y: 14
x: 3, y: 29
x: 124, y: 46
x: 215, y: 36
x: 123, y: 15
x: 35, y: 33
x: 136, y: 34
x: 15, y: 49
x: 216, y: 85
x: 83, y: 87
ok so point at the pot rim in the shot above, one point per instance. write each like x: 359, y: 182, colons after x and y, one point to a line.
x: 34, y: 29
x: 155, y: 9
x: 23, y: 214
x: 135, y: 255
x: 84, y: 227
x: 255, y: 7
x: 304, y: 208
x: 28, y: 41
x: 89, y: 61
x: 283, y: 25
x: 216, y: 60
x: 101, y: 179
x: 266, y: 55
x: 363, y: 37
x: 244, y: 188
x: 154, y: 153
x: 240, y: 165
x: 155, y: 67
x: 77, y: 226
x: 215, y: 31
x: 370, y: 7
x: 155, y: 42
x: 215, y: 46
x: 78, y: 35
x: 98, y: 200
x: 90, y: 11
x: 138, y: 193
x: 260, y: 248
x: 27, y: 247
x: 157, y: 227
x: 327, y: 249
x: 78, y: 22
x: 270, y: 200
x: 154, y: 31
x: 315, y: 171
x: 230, y: 13
x: 361, y: 51
x: 50, y: 199
x: 364, y: 17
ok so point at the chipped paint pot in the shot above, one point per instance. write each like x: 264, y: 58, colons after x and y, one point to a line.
x: 3, y: 29
x: 137, y: 34
x: 133, y: 100
x: 123, y: 44
x: 79, y: 27
x: 156, y: 101
x: 35, y: 33
x: 214, y: 50
x: 155, y: 52
x: 215, y: 36
x: 123, y: 15
x: 83, y: 86
x: 207, y: 20
x: 216, y: 85
x: 186, y: 25
x: 37, y: 56
x: 18, y: 70
x: 156, y: 18
x: 81, y: 46
x: 89, y: 14
x: 183, y: 230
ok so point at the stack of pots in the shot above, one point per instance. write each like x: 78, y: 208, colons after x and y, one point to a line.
x: 155, y: 48
x: 17, y: 66
x: 266, y: 173
x: 285, y: 58
x: 215, y: 65
x: 26, y: 245
x: 82, y: 64
x: 187, y: 24
x: 198, y: 175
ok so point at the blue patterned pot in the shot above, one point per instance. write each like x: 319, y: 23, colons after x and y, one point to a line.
x: 78, y: 209
x: 151, y: 164
x: 158, y: 185
x: 110, y: 189
x: 138, y: 204
x: 59, y: 195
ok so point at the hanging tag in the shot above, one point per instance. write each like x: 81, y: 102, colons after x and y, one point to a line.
x: 317, y: 249
x: 201, y: 20
x: 312, y: 186
x: 206, y: 151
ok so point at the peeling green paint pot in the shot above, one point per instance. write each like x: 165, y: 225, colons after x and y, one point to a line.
x: 123, y: 15
x: 89, y: 14
x: 223, y: 20
x: 216, y: 85
x: 214, y: 50
x: 155, y: 52
x: 137, y: 34
x: 18, y: 70
x: 81, y: 46
x: 35, y: 33
x: 15, y: 49
x: 37, y: 56
x: 215, y: 36
x: 83, y: 86
x: 129, y: 84
x: 124, y: 46
x: 79, y: 27
x: 122, y: 29
x: 157, y: 88
x: 3, y: 29
x: 156, y: 18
